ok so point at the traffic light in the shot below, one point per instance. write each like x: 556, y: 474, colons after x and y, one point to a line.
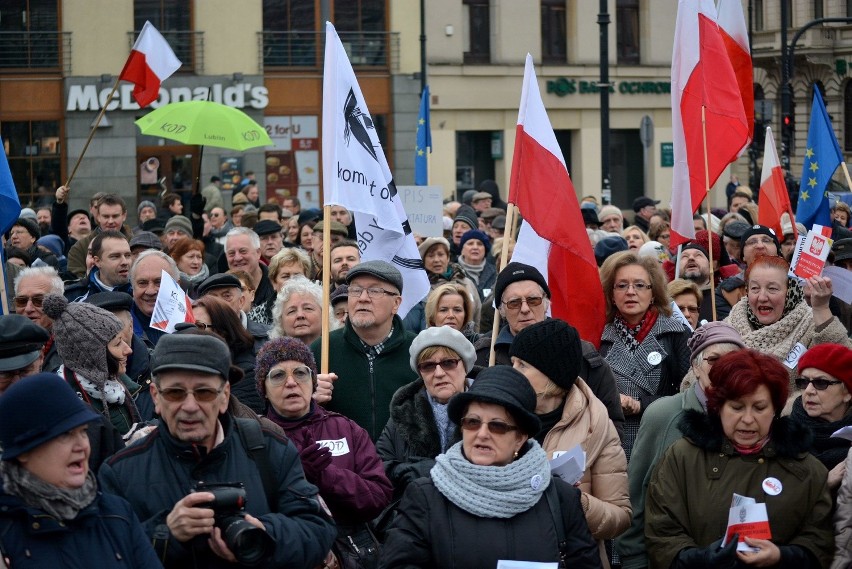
x: 787, y: 121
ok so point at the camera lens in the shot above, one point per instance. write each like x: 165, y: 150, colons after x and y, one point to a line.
x: 249, y: 544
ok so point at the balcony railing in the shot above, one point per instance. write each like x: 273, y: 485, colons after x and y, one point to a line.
x: 36, y: 52
x: 188, y: 47
x: 301, y: 50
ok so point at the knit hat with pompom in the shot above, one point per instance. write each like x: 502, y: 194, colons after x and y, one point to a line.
x: 281, y: 350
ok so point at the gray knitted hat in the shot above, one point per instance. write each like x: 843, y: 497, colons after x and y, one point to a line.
x: 82, y: 332
x: 179, y: 223
x: 143, y: 204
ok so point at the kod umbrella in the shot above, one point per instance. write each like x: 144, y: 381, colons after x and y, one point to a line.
x: 205, y: 123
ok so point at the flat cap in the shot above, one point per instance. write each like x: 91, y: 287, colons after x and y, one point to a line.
x: 478, y: 196
x: 111, y: 300
x: 842, y: 249
x: 336, y: 227
x: 21, y: 341
x: 192, y: 352
x: 219, y: 280
x: 266, y: 227
x: 147, y: 240
x: 643, y: 201
x: 382, y: 270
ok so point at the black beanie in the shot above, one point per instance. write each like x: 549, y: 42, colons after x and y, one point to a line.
x: 760, y: 230
x: 513, y: 273
x: 553, y: 347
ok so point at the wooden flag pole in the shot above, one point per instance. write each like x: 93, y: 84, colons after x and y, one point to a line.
x: 326, y: 286
x: 4, y: 301
x: 846, y: 173
x: 709, y: 226
x: 508, y: 235
x: 92, y: 133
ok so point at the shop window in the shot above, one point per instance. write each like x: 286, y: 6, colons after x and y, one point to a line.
x: 478, y: 32
x: 627, y: 31
x: 33, y: 148
x: 173, y: 19
x: 554, y: 38
x: 29, y: 34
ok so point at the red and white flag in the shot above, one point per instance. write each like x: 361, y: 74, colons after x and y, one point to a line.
x: 172, y: 307
x: 151, y: 62
x: 735, y: 35
x: 702, y: 79
x: 774, y: 199
x: 553, y: 238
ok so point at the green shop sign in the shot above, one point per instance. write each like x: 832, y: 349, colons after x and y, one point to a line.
x: 564, y: 86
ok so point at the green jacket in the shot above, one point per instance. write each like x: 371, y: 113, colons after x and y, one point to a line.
x: 363, y: 392
x: 657, y: 432
x: 690, y: 492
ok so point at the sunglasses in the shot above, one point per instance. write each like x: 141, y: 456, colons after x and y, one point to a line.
x: 516, y: 303
x: 448, y: 364
x: 819, y: 383
x: 36, y: 299
x: 178, y: 394
x: 494, y: 427
x: 301, y: 374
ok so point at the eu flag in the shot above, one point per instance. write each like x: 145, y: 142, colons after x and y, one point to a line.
x: 822, y: 157
x: 424, y: 141
x: 10, y: 205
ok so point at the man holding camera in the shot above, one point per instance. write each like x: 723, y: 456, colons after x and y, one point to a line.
x: 212, y: 490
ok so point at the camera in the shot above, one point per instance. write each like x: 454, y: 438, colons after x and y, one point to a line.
x: 249, y: 544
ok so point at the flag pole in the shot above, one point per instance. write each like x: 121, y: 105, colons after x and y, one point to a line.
x: 511, y: 220
x: 92, y: 133
x: 709, y: 226
x: 4, y: 301
x: 845, y: 173
x: 326, y: 286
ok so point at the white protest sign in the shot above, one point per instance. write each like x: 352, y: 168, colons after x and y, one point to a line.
x: 172, y: 306
x: 425, y: 208
x: 569, y: 465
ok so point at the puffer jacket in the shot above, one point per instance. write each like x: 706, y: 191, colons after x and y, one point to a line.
x: 843, y: 521
x: 690, y: 492
x: 106, y: 533
x: 605, y: 498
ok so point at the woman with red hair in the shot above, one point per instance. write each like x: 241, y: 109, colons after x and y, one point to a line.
x: 741, y: 447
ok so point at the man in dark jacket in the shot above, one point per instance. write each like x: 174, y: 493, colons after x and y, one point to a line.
x: 368, y: 357
x: 112, y: 258
x: 198, y: 440
x: 524, y: 282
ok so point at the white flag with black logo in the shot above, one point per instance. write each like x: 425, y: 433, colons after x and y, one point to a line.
x: 356, y: 175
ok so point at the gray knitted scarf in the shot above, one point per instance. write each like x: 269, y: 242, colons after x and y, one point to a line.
x: 61, y: 503
x: 492, y: 491
x: 446, y: 428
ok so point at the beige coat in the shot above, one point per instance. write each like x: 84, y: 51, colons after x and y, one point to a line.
x: 605, y: 498
x: 843, y: 521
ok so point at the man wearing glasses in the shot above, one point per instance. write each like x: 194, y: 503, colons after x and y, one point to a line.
x: 523, y: 299
x: 199, y: 440
x: 31, y: 286
x: 368, y: 357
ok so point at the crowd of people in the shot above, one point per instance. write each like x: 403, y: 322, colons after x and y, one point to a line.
x: 719, y: 377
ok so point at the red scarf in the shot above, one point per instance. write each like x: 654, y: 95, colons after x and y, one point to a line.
x: 646, y: 324
x: 745, y: 451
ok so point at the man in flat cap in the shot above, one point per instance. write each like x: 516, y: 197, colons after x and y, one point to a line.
x: 21, y: 345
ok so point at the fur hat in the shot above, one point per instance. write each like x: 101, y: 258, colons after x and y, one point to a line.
x: 553, y: 347
x: 281, y: 350
x: 82, y: 332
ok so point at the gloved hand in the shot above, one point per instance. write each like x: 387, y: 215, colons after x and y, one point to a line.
x: 196, y: 204
x: 315, y: 459
x: 710, y: 557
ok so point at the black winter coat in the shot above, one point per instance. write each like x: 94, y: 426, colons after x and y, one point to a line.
x: 432, y: 532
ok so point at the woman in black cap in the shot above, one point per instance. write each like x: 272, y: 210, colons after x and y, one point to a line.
x: 51, y: 513
x: 491, y: 496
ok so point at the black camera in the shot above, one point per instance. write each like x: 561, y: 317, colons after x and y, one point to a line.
x: 249, y: 544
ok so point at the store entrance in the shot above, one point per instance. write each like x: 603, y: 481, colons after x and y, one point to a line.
x: 162, y: 169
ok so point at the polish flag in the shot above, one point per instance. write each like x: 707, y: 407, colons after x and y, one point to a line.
x: 774, y: 199
x: 702, y: 78
x: 151, y: 62
x: 554, y: 238
x: 735, y: 35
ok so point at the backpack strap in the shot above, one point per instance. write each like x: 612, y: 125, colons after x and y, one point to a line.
x: 252, y: 437
x: 552, y: 496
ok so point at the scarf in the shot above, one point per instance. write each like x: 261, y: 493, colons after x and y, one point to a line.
x: 778, y: 338
x: 61, y: 503
x: 632, y: 336
x: 111, y: 391
x: 217, y: 233
x: 829, y: 450
x: 446, y: 428
x: 794, y: 296
x: 492, y: 491
x: 202, y: 274
x: 754, y: 449
x: 472, y: 271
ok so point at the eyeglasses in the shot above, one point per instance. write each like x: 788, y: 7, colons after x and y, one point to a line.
x: 36, y: 299
x: 820, y: 384
x: 340, y: 312
x: 516, y: 303
x: 637, y: 286
x: 202, y: 394
x: 448, y: 364
x: 765, y: 240
x: 685, y: 309
x: 372, y: 292
x: 494, y: 427
x: 301, y: 374
x: 204, y: 326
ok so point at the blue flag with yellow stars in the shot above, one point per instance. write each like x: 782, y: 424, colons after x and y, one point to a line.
x: 424, y: 141
x: 822, y: 157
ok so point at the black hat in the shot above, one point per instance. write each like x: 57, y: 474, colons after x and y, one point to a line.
x: 21, y: 341
x: 553, y: 347
x: 643, y: 201
x: 735, y: 229
x: 219, y: 280
x: 513, y: 273
x: 504, y: 386
x: 382, y: 270
x: 38, y: 409
x: 340, y: 294
x: 590, y: 216
x: 74, y: 212
x: 30, y: 225
x: 310, y: 214
x: 147, y: 240
x: 467, y: 214
x: 111, y: 300
x: 155, y: 226
x: 207, y: 354
x: 760, y: 230
x: 842, y: 249
x: 697, y: 247
x: 266, y: 227
x: 609, y: 246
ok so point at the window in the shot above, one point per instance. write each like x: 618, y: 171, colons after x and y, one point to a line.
x: 479, y: 32
x: 290, y: 35
x: 29, y: 34
x: 847, y: 117
x: 790, y: 19
x: 819, y: 9
x: 554, y: 37
x: 173, y: 19
x: 362, y: 27
x: 627, y: 31
x: 34, y: 156
x: 757, y: 14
